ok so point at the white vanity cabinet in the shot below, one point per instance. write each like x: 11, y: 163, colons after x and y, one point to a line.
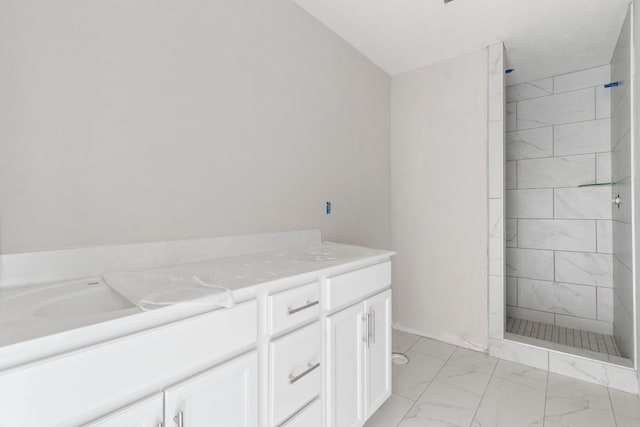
x: 226, y: 396
x: 145, y: 413
x: 358, y: 347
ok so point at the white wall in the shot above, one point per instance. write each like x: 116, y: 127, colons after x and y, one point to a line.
x: 439, y: 199
x: 131, y: 121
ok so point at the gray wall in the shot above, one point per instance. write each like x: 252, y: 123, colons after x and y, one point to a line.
x: 130, y: 121
x: 559, y: 239
x: 439, y: 200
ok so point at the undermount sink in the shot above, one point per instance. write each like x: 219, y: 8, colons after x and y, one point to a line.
x: 96, y: 298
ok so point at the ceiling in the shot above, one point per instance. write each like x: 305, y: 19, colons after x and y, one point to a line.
x: 542, y: 37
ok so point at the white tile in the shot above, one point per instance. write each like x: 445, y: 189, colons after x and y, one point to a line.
x: 496, y: 159
x: 622, y: 291
x: 525, y: 362
x: 509, y: 404
x: 523, y: 374
x: 622, y: 243
x: 622, y: 213
x: 576, y: 403
x: 559, y: 109
x: 511, y: 123
x: 598, y: 76
x: 511, y: 177
x: 529, y: 90
x: 557, y: 234
x: 605, y: 304
x: 621, y: 118
x: 569, y: 171
x: 621, y: 159
x: 562, y: 298
x: 592, y: 371
x: 625, y: 405
x: 537, y: 203
x: 603, y: 168
x: 496, y: 307
x: 533, y: 315
x: 511, y: 233
x: 530, y: 144
x: 496, y: 81
x: 511, y: 284
x: 391, y: 412
x: 603, y: 102
x: 442, y: 405
x: 411, y: 380
x: 469, y: 370
x: 582, y: 203
x: 496, y: 249
x: 402, y: 341
x: 623, y: 325
x: 584, y: 268
x: 434, y: 348
x: 597, y: 326
x: 496, y: 224
x: 593, y: 136
x: 605, y: 237
x: 529, y: 263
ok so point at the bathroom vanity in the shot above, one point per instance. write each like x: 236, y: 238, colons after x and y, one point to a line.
x: 307, y: 343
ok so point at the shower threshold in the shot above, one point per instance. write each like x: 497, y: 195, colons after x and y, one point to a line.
x: 575, y: 341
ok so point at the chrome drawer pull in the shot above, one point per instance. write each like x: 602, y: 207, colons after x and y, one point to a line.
x: 310, y: 368
x: 309, y: 304
x: 179, y: 419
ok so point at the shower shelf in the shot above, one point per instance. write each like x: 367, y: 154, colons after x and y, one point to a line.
x: 599, y: 184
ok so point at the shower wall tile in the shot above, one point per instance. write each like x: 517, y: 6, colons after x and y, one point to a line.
x: 582, y: 203
x: 622, y: 243
x: 603, y: 168
x: 603, y: 102
x: 605, y: 304
x: 624, y: 285
x: 552, y: 172
x: 621, y: 119
x: 592, y: 325
x: 512, y: 290
x: 557, y: 234
x: 495, y: 256
x: 511, y: 233
x: 495, y: 218
x: 530, y: 90
x: 604, y: 236
x: 584, y: 268
x: 559, y: 298
x: 511, y: 179
x: 496, y: 159
x: 530, y: 203
x: 582, y: 79
x: 496, y: 79
x: 567, y: 107
x: 511, y: 122
x: 623, y: 326
x: 529, y: 263
x: 620, y: 155
x: 622, y: 188
x: 496, y: 307
x: 593, y: 136
x: 530, y: 144
x: 528, y: 314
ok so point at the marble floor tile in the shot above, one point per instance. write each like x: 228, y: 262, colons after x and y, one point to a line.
x: 391, y: 413
x: 626, y: 407
x: 574, y: 403
x: 402, y: 341
x: 412, y: 379
x: 442, y: 405
x: 469, y: 370
x: 521, y: 374
x: 510, y: 404
x: 433, y: 348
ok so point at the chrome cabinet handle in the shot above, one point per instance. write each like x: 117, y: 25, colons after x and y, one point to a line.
x: 179, y: 419
x: 373, y: 326
x: 309, y: 304
x: 369, y: 329
x: 160, y: 425
x: 310, y: 368
x: 365, y: 329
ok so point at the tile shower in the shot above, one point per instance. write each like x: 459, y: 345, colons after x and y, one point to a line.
x: 568, y: 247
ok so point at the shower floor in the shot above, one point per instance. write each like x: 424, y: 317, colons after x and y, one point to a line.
x: 576, y: 338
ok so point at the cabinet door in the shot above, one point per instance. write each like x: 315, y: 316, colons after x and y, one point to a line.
x: 226, y: 396
x: 345, y: 384
x: 377, y: 376
x: 146, y: 413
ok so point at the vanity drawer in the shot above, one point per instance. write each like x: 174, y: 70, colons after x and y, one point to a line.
x: 308, y: 416
x: 293, y: 307
x: 354, y: 286
x: 295, y: 373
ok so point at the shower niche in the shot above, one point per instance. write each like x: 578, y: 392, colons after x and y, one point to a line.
x: 568, y: 198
